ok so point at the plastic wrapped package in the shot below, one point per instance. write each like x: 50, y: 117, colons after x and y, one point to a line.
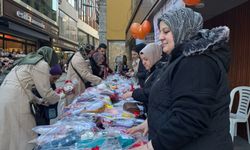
x: 68, y: 140
x: 96, y: 106
x: 77, y: 128
x: 60, y: 130
x: 123, y: 122
x: 108, y: 139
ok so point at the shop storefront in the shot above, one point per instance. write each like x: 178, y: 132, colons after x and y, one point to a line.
x: 16, y: 45
x: 22, y: 30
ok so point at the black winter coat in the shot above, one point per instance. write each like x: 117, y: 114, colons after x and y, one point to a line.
x: 189, y: 102
x: 141, y: 74
x: 142, y: 94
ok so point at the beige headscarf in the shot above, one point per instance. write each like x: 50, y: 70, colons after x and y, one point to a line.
x: 153, y: 52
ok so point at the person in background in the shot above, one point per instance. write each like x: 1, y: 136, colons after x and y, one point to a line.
x: 79, y: 69
x: 189, y: 101
x: 135, y: 63
x: 150, y: 56
x: 16, y: 119
x: 102, y: 48
x: 96, y: 62
x: 141, y: 72
x: 42, y: 117
x: 121, y: 66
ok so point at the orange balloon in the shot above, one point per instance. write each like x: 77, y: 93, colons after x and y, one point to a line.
x: 141, y: 34
x: 134, y: 28
x: 134, y: 35
x: 191, y: 2
x: 146, y: 26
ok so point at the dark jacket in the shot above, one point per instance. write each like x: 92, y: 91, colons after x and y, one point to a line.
x: 189, y: 101
x: 97, y: 70
x: 142, y: 94
x: 141, y: 74
x: 41, y: 117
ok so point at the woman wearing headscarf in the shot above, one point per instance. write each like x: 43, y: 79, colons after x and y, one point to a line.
x: 150, y: 56
x: 79, y: 69
x: 189, y: 101
x: 16, y: 119
x: 141, y: 71
x: 44, y: 113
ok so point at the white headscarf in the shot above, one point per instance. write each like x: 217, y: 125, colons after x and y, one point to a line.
x: 153, y: 52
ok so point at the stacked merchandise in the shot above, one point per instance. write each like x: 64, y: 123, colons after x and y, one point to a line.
x: 6, y: 62
x: 97, y: 119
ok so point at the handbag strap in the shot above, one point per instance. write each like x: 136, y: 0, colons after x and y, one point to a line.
x: 77, y: 72
x: 30, y: 99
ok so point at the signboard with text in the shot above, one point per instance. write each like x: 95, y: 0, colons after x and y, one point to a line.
x: 21, y: 15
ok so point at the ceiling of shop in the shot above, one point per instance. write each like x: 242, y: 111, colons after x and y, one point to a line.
x: 215, y: 7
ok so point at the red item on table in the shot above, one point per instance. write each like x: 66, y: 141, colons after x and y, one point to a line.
x: 138, y: 144
x: 95, y: 148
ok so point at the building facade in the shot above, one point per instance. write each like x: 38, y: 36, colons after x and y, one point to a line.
x: 26, y: 26
x: 118, y: 15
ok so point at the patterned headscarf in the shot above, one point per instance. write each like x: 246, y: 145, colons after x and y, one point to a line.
x: 184, y: 23
x: 98, y: 58
x: 153, y: 52
x: 49, y: 55
x: 44, y: 52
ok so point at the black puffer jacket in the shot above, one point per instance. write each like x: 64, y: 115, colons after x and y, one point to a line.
x: 142, y: 94
x: 189, y: 102
x: 141, y: 74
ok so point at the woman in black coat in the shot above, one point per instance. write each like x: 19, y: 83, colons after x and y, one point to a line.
x: 189, y: 101
x: 150, y: 56
x: 141, y: 73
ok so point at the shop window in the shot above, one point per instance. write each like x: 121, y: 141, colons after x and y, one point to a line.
x: 73, y: 3
x: 1, y: 43
x: 46, y: 7
x: 31, y: 48
x: 91, y: 41
x: 82, y: 37
x: 96, y: 42
x: 67, y: 27
x: 14, y: 47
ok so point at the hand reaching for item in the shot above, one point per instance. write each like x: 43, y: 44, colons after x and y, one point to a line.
x: 147, y: 146
x: 127, y: 95
x: 140, y: 128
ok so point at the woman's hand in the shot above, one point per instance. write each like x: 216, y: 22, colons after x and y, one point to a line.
x: 127, y: 95
x: 147, y: 146
x: 140, y: 128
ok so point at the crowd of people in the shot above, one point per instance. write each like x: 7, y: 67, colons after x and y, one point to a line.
x: 183, y: 86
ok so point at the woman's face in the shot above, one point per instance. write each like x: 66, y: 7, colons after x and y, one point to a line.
x: 134, y: 55
x: 146, y: 62
x: 54, y: 78
x: 166, y: 37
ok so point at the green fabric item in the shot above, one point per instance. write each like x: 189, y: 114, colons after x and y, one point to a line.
x: 30, y: 59
x: 48, y: 55
x: 44, y: 52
